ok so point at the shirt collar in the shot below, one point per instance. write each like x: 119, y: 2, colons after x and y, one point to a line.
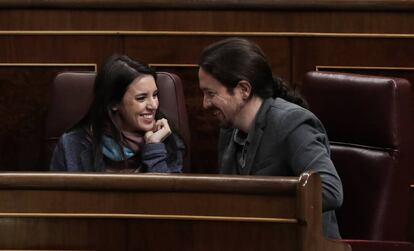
x: 242, y: 138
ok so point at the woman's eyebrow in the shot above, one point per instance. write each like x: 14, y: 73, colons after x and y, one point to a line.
x: 141, y: 94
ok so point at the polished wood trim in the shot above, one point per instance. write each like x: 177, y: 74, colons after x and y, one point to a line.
x: 148, y: 182
x: 199, y: 33
x: 211, y: 4
x: 47, y: 65
x: 150, y: 216
x: 175, y: 65
x: 322, y: 67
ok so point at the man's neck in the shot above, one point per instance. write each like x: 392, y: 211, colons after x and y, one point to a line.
x: 248, y: 114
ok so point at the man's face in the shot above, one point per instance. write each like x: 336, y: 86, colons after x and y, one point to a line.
x: 224, y: 106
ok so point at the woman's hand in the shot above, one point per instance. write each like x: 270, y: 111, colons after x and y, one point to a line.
x: 159, y: 133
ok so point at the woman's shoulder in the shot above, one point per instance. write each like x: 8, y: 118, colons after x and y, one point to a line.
x: 78, y: 135
x: 72, y: 151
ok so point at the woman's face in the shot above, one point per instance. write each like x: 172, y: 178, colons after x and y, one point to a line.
x: 138, y: 106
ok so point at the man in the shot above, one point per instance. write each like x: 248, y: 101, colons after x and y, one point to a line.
x: 265, y: 131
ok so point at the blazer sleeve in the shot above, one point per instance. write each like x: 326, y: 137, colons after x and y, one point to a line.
x: 154, y: 158
x: 308, y: 148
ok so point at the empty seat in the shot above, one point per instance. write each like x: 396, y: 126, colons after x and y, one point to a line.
x: 368, y: 121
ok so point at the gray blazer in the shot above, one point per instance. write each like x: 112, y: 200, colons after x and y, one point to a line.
x: 287, y: 140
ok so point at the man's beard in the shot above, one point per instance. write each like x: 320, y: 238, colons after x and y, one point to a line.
x: 220, y: 118
x: 223, y: 121
x: 225, y: 124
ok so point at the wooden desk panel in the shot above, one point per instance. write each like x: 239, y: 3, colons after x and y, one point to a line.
x: 161, y: 212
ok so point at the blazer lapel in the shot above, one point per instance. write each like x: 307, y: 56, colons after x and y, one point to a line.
x: 257, y: 130
x: 251, y: 151
x: 228, y: 162
x: 86, y: 158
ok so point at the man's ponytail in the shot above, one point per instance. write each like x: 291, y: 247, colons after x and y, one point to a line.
x: 282, y: 90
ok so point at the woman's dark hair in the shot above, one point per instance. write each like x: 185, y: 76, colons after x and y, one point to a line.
x: 111, y: 83
x: 234, y: 59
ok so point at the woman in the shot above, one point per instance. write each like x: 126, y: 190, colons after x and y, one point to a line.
x: 123, y: 130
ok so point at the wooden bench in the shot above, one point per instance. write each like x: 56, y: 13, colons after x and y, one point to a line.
x: 62, y: 211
